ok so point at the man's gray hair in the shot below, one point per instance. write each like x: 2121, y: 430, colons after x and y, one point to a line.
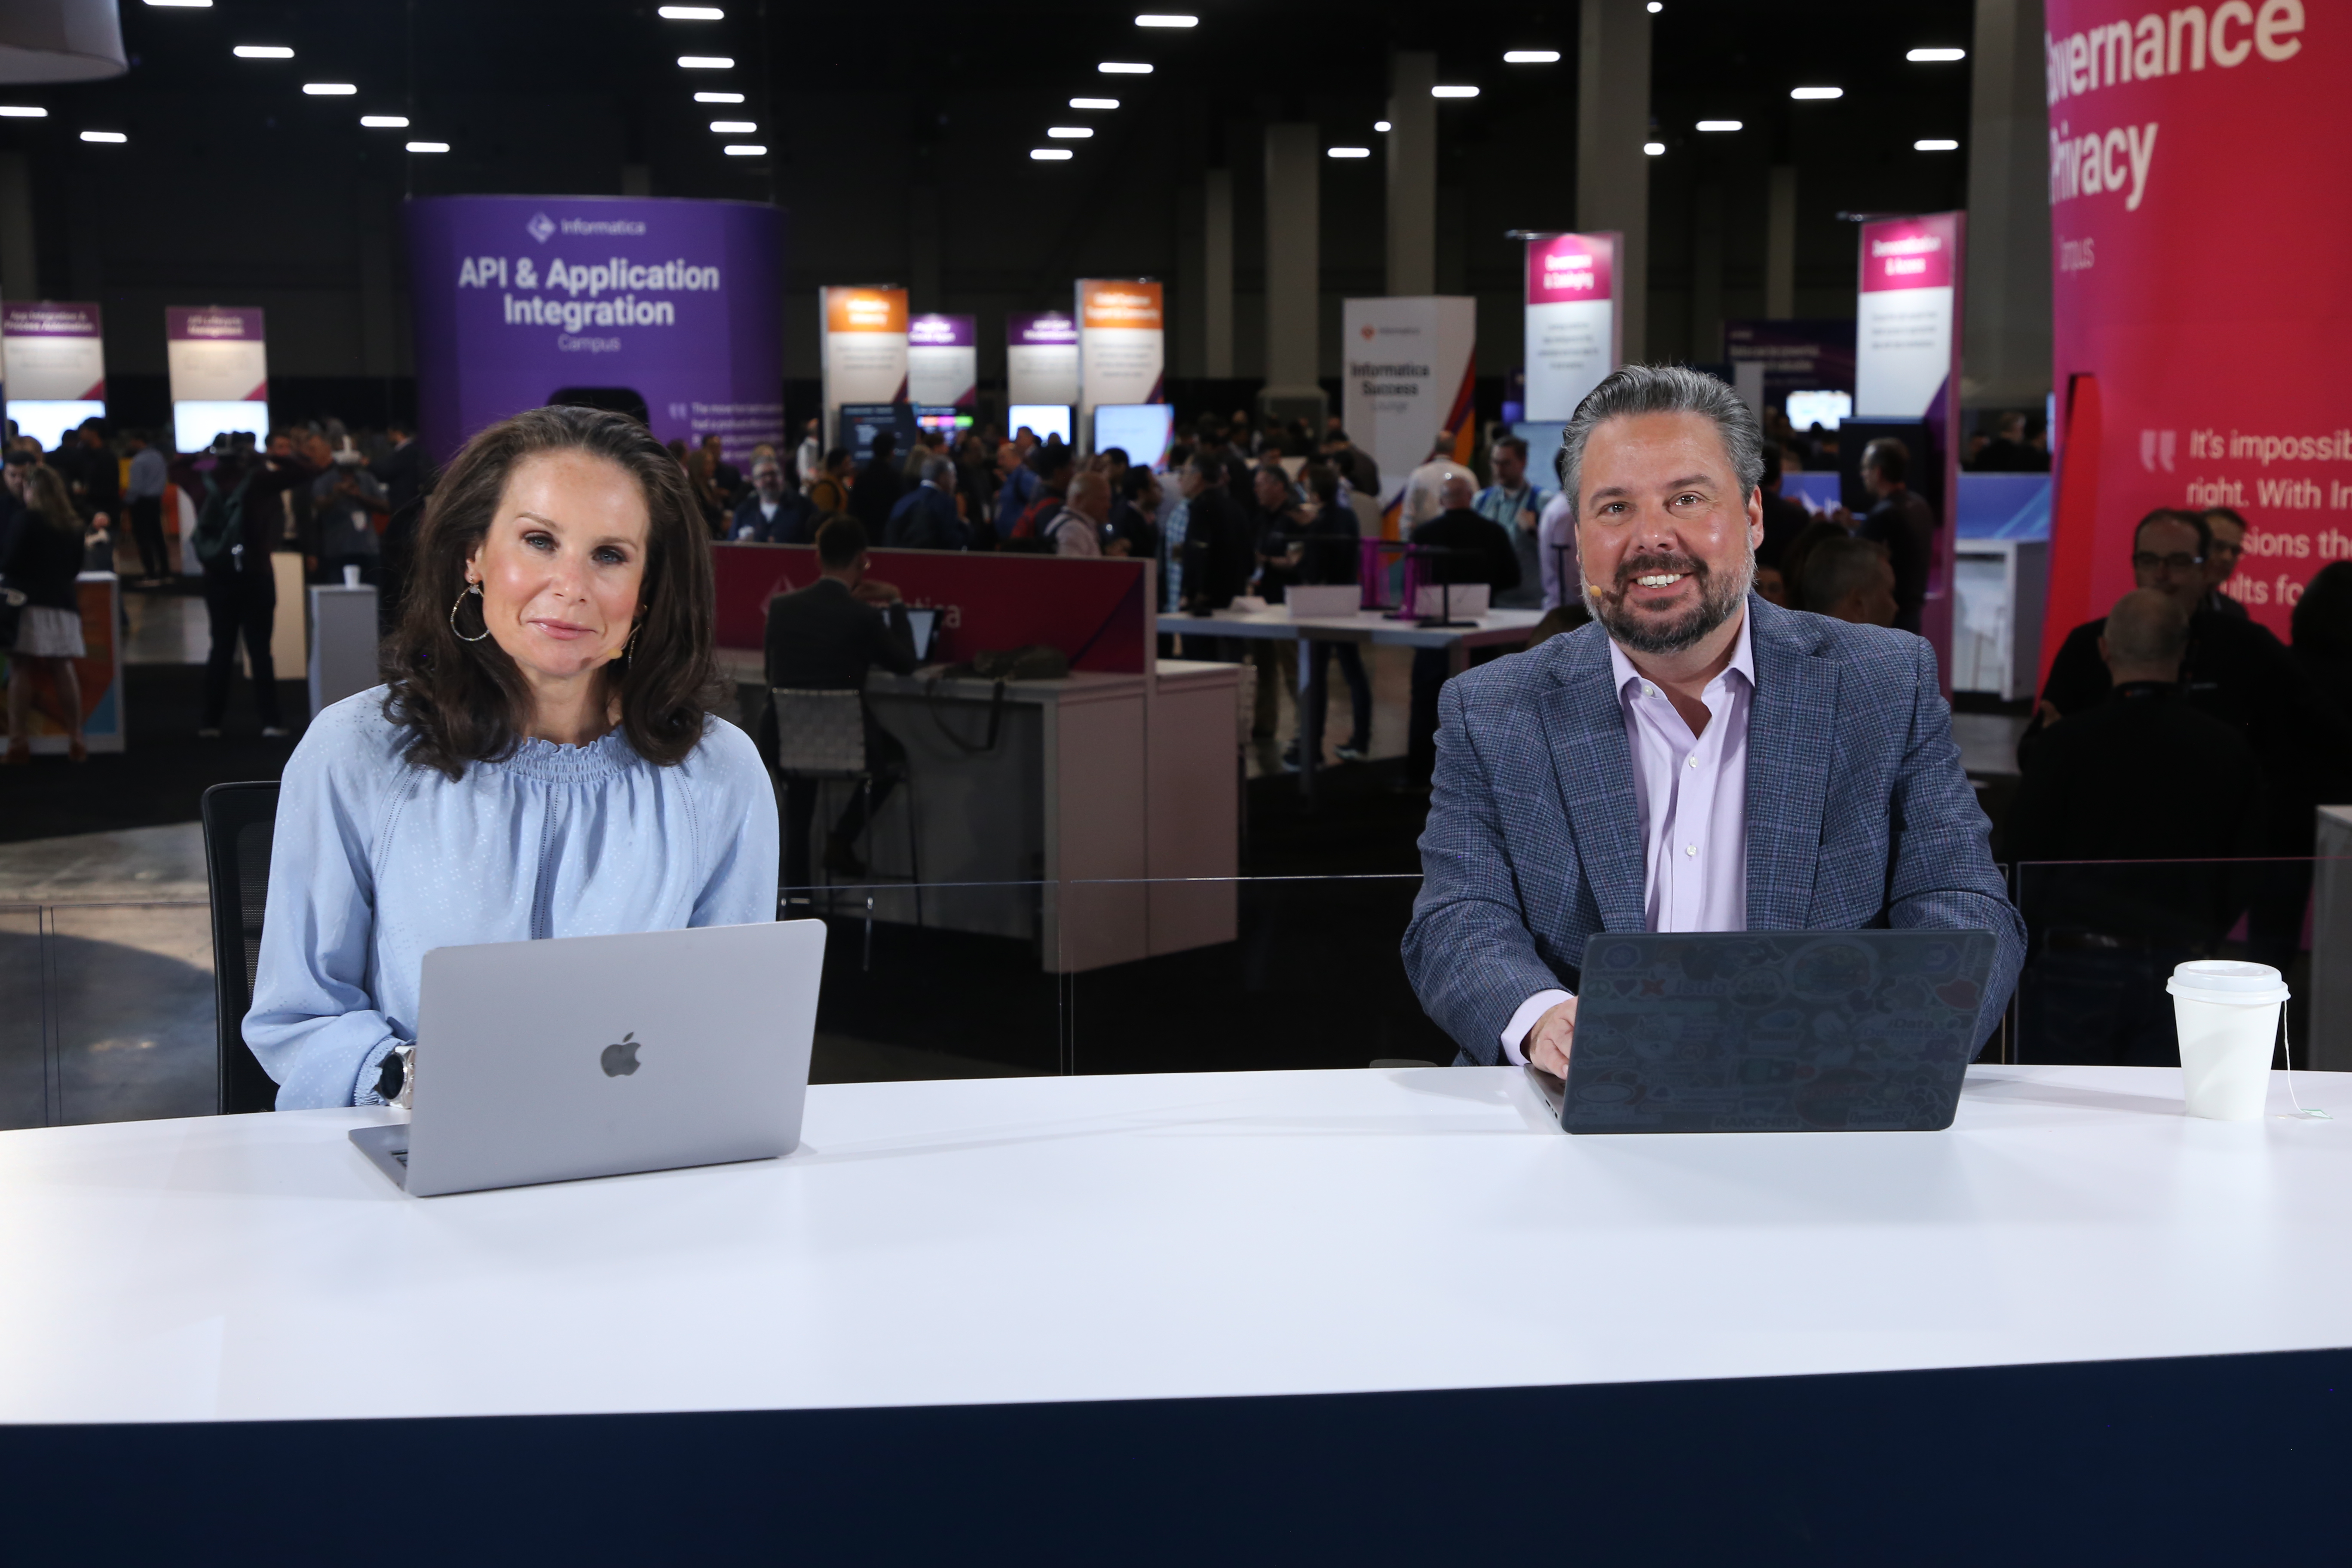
x: 1663, y: 389
x: 939, y: 471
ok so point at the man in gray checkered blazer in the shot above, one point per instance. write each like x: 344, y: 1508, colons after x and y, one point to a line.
x: 1695, y: 759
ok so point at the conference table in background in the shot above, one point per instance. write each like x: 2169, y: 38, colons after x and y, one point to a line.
x: 1496, y: 629
x: 1344, y: 1308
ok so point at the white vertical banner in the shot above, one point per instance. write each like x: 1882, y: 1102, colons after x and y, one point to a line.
x: 862, y: 350
x: 218, y: 357
x: 1412, y: 364
x: 943, y: 361
x: 1122, y: 347
x: 53, y: 361
x: 1575, y: 334
x: 1906, y: 339
x: 1041, y: 358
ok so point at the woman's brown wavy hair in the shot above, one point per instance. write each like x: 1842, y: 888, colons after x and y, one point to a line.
x: 465, y: 701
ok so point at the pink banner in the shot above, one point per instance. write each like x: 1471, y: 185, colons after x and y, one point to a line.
x: 1566, y: 267
x: 2200, y: 233
x: 1909, y: 253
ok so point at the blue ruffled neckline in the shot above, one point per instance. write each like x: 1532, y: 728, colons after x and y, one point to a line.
x: 555, y: 763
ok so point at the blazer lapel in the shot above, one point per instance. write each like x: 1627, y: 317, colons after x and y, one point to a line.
x: 1585, y: 727
x: 1788, y: 756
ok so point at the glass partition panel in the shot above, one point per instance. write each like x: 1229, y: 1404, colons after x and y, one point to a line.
x: 934, y: 980
x: 1212, y: 975
x: 130, y: 1008
x: 2103, y: 936
x: 24, y: 1019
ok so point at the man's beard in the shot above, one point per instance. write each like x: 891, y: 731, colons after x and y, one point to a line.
x: 1648, y: 634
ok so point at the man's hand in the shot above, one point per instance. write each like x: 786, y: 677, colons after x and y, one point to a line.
x: 1548, y: 1042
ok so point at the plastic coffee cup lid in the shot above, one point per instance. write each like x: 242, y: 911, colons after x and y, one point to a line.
x: 2227, y: 981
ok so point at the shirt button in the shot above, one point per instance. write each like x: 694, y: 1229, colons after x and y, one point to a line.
x: 1694, y: 761
x: 1690, y: 849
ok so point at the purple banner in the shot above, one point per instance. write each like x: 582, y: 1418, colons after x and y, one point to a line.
x: 212, y: 324
x: 1797, y: 355
x: 1048, y: 327
x: 49, y: 319
x: 943, y: 333
x: 520, y: 297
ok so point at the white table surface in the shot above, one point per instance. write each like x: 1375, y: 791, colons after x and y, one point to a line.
x: 1019, y: 1240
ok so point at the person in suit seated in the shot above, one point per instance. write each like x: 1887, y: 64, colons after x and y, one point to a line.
x: 925, y: 517
x: 2147, y: 878
x: 771, y: 514
x: 825, y: 638
x: 1695, y: 760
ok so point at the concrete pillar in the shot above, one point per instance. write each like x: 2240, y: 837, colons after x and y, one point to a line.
x: 1706, y: 274
x: 1412, y: 174
x: 1217, y: 275
x: 20, y: 273
x: 2005, y: 316
x: 1613, y: 121
x: 1780, y: 243
x: 1293, y: 159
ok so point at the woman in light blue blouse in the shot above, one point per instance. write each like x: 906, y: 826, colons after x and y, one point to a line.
x: 541, y: 764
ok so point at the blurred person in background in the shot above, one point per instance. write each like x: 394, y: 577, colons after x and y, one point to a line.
x: 1849, y: 580
x: 877, y: 486
x: 1217, y: 554
x: 1077, y: 528
x: 1466, y: 549
x: 92, y: 468
x: 1783, y: 519
x: 2226, y: 546
x: 1134, y: 514
x: 1563, y: 583
x: 1424, y: 488
x: 401, y: 470
x: 2236, y: 671
x: 245, y: 519
x: 2321, y: 629
x: 828, y: 489
x: 826, y: 638
x: 1355, y: 465
x: 1329, y: 556
x: 1016, y: 488
x: 2141, y: 777
x: 143, y: 501
x: 1902, y: 522
x: 925, y: 517
x: 43, y: 561
x: 1514, y: 503
x: 726, y: 479
x: 810, y: 455
x: 344, y: 503
x: 771, y: 514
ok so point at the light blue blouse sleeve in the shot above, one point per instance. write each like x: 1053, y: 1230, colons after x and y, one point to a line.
x: 737, y: 811
x: 313, y: 1025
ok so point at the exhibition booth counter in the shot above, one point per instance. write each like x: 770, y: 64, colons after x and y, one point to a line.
x: 1125, y: 770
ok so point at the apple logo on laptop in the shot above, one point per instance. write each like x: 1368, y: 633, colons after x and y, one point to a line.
x: 620, y: 1057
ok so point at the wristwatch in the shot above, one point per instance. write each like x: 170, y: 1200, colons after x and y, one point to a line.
x: 396, y: 1076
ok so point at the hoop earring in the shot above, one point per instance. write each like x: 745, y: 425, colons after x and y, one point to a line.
x: 475, y: 588
x: 629, y: 649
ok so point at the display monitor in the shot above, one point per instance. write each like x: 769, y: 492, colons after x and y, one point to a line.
x: 861, y: 422
x: 1144, y: 431
x: 946, y: 417
x: 195, y: 425
x: 48, y: 420
x: 1045, y: 418
x: 1807, y: 410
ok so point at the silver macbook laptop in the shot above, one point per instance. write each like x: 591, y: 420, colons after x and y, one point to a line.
x: 593, y: 1055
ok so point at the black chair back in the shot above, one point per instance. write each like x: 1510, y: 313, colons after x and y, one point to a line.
x: 239, y: 820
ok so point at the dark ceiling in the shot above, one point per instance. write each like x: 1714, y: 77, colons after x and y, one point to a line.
x: 897, y: 132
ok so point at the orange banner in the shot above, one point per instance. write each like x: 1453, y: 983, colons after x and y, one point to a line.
x: 1114, y: 302
x: 864, y: 310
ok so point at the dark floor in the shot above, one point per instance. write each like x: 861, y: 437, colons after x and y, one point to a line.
x: 163, y: 774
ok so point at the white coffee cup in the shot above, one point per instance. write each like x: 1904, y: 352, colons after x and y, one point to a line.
x: 2227, y: 1014
x: 350, y: 577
